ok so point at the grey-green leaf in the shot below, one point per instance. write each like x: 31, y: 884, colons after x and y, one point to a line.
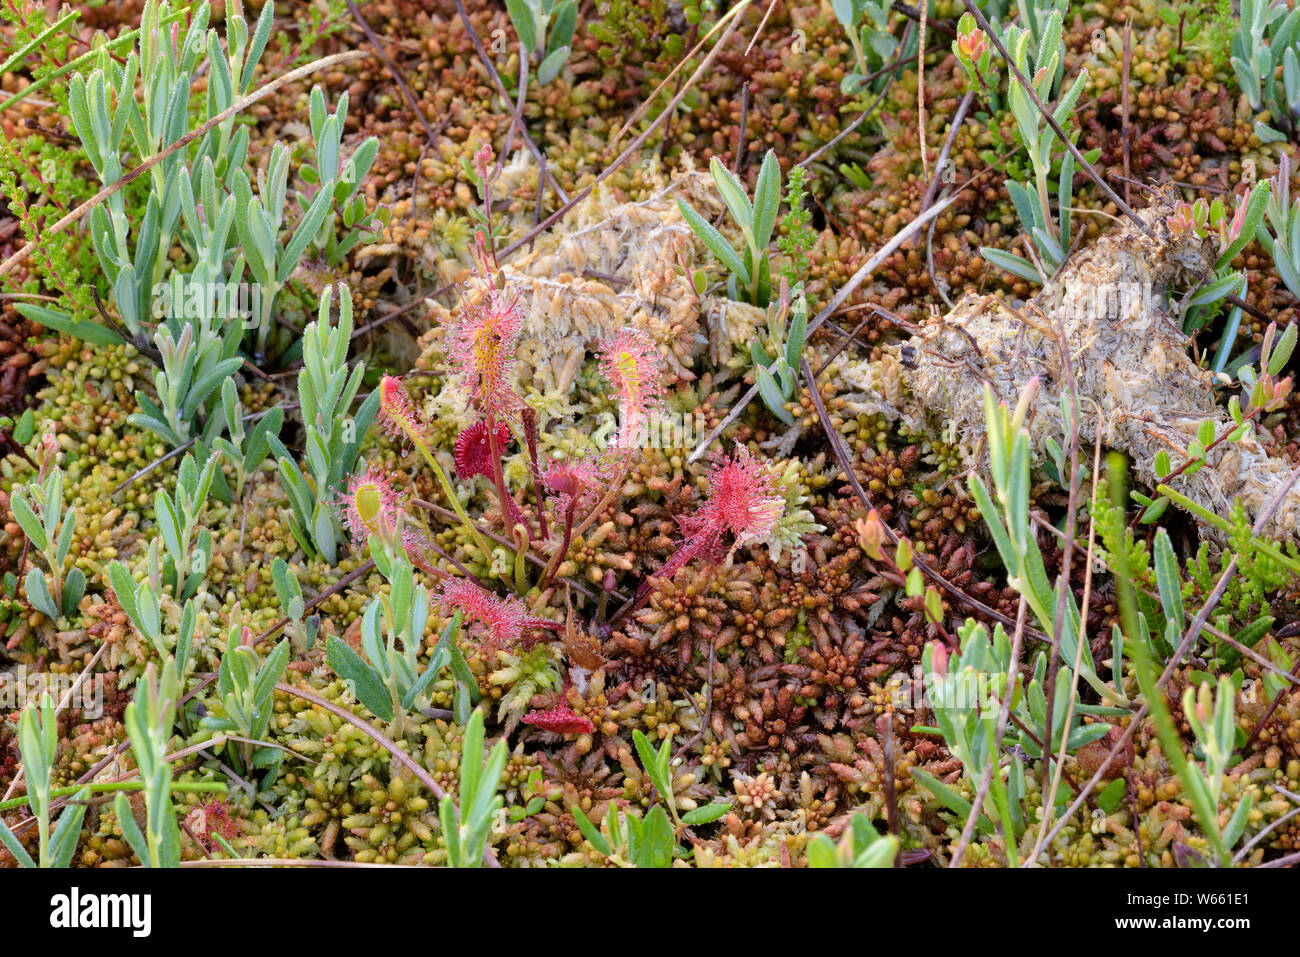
x: 767, y: 200
x: 715, y: 242
x: 349, y: 666
x: 706, y: 814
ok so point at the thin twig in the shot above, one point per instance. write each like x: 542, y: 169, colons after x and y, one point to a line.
x: 1049, y: 796
x: 885, y: 730
x: 865, y: 270
x: 402, y: 758
x: 1277, y: 700
x: 530, y: 555
x: 1245, y: 849
x: 731, y: 18
x: 995, y: 762
x: 62, y: 703
x: 1125, y: 126
x: 545, y: 176
x: 1065, y: 593
x: 846, y: 466
x: 334, y: 589
x: 397, y: 75
x: 941, y: 165
x: 913, y: 13
x: 920, y: 89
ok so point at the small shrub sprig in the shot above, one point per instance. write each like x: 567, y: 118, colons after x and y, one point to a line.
x: 1263, y: 392
x: 193, y: 314
x: 465, y: 829
x: 244, y: 706
x: 142, y: 603
x: 149, y: 720
x: 187, y: 539
x: 1268, y: 37
x: 750, y: 275
x: 648, y: 841
x: 327, y: 387
x: 1007, y: 518
x: 244, y: 448
x: 545, y: 29
x: 39, y: 510
x: 795, y: 233
x: 388, y: 681
x: 38, y: 745
x: 787, y: 330
x: 1279, y: 231
x: 1038, y: 54
x: 1201, y: 304
x: 1208, y: 712
x: 866, y: 24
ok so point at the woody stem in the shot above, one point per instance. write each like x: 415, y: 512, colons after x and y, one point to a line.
x: 535, y: 471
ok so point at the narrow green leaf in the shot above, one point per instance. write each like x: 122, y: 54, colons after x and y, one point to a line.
x: 1011, y: 263
x: 707, y: 813
x: 950, y: 799
x: 551, y: 66
x: 767, y: 200
x: 38, y: 594
x: 63, y: 843
x: 733, y: 195
x: 15, y: 847
x: 437, y: 661
x: 131, y: 830
x: 522, y: 18
x: 715, y: 242
x: 589, y: 831
x: 771, y: 394
x: 349, y: 666
x: 31, y: 525
x: 1111, y: 796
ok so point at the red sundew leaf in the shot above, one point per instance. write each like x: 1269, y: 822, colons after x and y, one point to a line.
x: 474, y: 452
x: 561, y: 720
x: 743, y: 497
x: 498, y: 622
x: 480, y: 346
x: 573, y: 481
x: 397, y: 413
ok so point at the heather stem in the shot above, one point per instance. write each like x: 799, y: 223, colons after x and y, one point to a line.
x: 510, y: 514
x: 558, y: 556
x: 535, y: 469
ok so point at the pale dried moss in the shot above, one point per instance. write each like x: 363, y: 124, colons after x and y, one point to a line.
x: 608, y: 265
x: 1139, y: 389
